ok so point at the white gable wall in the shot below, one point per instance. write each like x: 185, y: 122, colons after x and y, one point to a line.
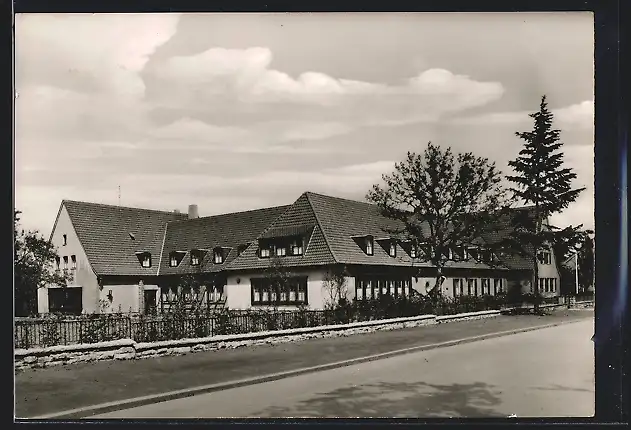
x: 84, y: 276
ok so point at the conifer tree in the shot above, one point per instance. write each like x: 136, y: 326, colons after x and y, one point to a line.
x: 542, y: 181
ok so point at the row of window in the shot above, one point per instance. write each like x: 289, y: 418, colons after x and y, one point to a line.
x: 547, y: 285
x: 266, y: 291
x: 282, y: 248
x: 197, y: 256
x: 460, y: 253
x: 73, y: 260
x: 469, y: 287
x: 373, y: 288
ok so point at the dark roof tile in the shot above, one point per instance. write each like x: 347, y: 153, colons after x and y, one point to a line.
x: 104, y: 232
x: 228, y: 231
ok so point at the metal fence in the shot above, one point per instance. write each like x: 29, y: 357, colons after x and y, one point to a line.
x: 43, y: 332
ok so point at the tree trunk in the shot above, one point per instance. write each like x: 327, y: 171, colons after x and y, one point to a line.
x: 536, y: 283
x: 538, y: 223
x: 438, y: 284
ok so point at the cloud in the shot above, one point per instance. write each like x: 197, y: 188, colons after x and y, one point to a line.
x: 576, y: 116
x: 581, y: 114
x: 242, y: 79
x: 93, y: 53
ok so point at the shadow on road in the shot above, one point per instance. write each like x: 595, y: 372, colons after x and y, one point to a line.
x: 409, y: 400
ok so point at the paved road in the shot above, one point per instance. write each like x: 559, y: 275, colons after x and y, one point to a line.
x: 543, y: 373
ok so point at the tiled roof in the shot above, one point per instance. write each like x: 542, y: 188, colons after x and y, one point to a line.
x: 228, y: 231
x: 331, y: 224
x: 104, y: 232
x: 341, y: 219
x: 300, y: 214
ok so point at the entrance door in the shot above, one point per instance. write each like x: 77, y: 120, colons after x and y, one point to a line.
x: 150, y: 301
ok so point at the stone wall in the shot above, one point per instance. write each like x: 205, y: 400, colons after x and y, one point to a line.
x: 127, y: 349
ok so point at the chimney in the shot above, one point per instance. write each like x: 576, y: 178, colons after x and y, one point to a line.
x: 192, y: 212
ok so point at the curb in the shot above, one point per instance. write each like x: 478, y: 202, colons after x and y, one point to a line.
x: 89, y: 411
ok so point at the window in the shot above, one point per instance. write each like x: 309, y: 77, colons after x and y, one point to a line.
x: 65, y: 262
x: 65, y: 300
x: 458, y: 287
x: 195, y: 259
x: 497, y: 286
x: 368, y: 288
x: 218, y: 256
x: 281, y: 251
x: 450, y: 254
x: 65, y: 239
x: 393, y: 249
x: 472, y: 287
x: 296, y: 247
x: 545, y: 256
x: 144, y: 258
x: 265, y: 291
x: 265, y: 252
x: 73, y: 259
x: 486, y: 256
x: 57, y: 262
x: 369, y: 246
x: 176, y: 257
x: 413, y: 252
x: 215, y: 294
x: 547, y: 285
x: 486, y: 286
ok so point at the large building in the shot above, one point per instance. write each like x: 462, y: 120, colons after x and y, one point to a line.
x: 128, y: 259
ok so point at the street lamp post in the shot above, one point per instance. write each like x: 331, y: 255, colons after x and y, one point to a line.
x: 576, y: 269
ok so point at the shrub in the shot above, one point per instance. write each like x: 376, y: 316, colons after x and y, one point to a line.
x: 50, y: 331
x: 224, y: 323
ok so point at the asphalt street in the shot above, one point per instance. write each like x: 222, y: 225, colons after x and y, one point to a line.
x: 542, y: 373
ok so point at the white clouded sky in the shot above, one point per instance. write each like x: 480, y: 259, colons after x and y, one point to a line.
x: 239, y: 111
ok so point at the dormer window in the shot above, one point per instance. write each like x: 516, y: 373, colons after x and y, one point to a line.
x: 218, y: 256
x: 369, y: 246
x: 144, y: 258
x: 281, y: 251
x: 296, y: 247
x: 413, y: 252
x: 197, y: 255
x: 176, y: 257
x: 65, y: 239
x: 264, y: 252
x: 393, y: 249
